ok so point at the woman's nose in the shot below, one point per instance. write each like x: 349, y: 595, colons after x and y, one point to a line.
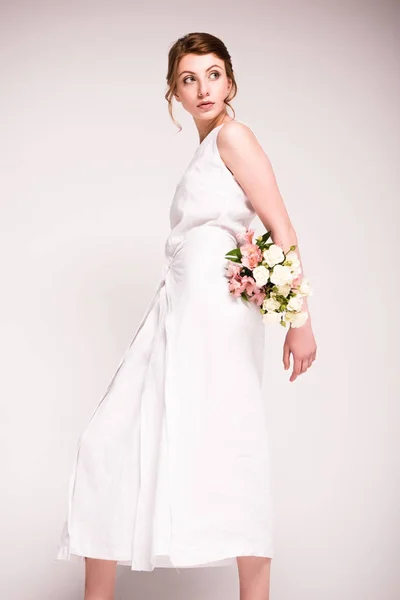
x: 203, y: 90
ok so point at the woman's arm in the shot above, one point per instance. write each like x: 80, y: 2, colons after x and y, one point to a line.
x: 252, y: 169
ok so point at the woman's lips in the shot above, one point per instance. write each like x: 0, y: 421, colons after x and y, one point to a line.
x: 206, y: 106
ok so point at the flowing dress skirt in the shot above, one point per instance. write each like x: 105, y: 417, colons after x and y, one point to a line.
x: 172, y: 469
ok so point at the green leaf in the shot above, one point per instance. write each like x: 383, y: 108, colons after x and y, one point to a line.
x: 234, y: 255
x: 262, y: 239
x: 266, y: 235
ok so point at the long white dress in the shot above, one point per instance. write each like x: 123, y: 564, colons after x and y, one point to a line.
x: 172, y: 469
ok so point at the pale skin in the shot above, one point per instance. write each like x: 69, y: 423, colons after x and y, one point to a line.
x: 245, y: 158
x: 204, y: 78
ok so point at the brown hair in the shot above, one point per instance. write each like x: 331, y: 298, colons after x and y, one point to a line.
x: 197, y: 43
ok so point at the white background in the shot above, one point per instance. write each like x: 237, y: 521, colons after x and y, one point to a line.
x: 89, y: 160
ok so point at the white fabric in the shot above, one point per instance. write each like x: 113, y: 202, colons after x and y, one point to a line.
x: 172, y: 469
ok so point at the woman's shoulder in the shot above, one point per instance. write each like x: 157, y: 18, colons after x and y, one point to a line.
x: 235, y: 134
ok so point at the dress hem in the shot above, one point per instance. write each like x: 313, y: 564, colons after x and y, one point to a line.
x: 219, y: 559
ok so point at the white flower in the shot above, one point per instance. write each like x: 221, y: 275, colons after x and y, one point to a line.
x: 281, y: 275
x: 304, y: 287
x: 271, y: 304
x: 292, y: 257
x: 296, y: 270
x: 261, y: 275
x: 296, y: 319
x: 295, y: 303
x: 283, y: 290
x: 273, y: 255
x: 271, y: 317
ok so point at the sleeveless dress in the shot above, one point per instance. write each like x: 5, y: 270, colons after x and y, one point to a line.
x: 172, y: 469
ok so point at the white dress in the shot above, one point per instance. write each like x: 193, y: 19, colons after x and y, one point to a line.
x: 172, y: 469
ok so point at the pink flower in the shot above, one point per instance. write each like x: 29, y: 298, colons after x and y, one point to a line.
x: 246, y: 237
x: 251, y: 255
x: 233, y: 269
x: 238, y: 285
x: 248, y: 285
x: 235, y: 286
x: 258, y: 296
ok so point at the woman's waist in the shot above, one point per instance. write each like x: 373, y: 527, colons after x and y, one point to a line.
x: 201, y: 251
x: 202, y: 238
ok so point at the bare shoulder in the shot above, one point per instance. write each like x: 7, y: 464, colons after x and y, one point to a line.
x: 234, y: 136
x: 238, y: 146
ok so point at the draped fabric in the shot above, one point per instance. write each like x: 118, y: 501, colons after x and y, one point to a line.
x: 172, y: 469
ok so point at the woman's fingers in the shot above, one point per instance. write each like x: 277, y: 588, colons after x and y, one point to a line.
x: 300, y: 363
x: 300, y: 366
x: 296, y: 368
x: 286, y: 353
x: 304, y: 365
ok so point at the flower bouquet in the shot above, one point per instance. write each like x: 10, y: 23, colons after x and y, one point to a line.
x: 262, y: 273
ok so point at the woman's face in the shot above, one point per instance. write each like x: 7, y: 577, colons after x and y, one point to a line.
x: 202, y: 78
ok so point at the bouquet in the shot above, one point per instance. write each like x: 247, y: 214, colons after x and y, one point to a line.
x: 262, y: 273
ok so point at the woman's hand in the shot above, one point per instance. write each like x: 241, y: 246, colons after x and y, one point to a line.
x: 300, y: 342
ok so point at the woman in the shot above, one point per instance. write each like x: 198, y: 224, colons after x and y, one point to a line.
x: 173, y: 467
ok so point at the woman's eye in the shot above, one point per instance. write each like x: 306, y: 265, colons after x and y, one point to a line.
x: 191, y: 76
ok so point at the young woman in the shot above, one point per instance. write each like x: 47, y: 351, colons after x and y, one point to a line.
x: 172, y: 469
